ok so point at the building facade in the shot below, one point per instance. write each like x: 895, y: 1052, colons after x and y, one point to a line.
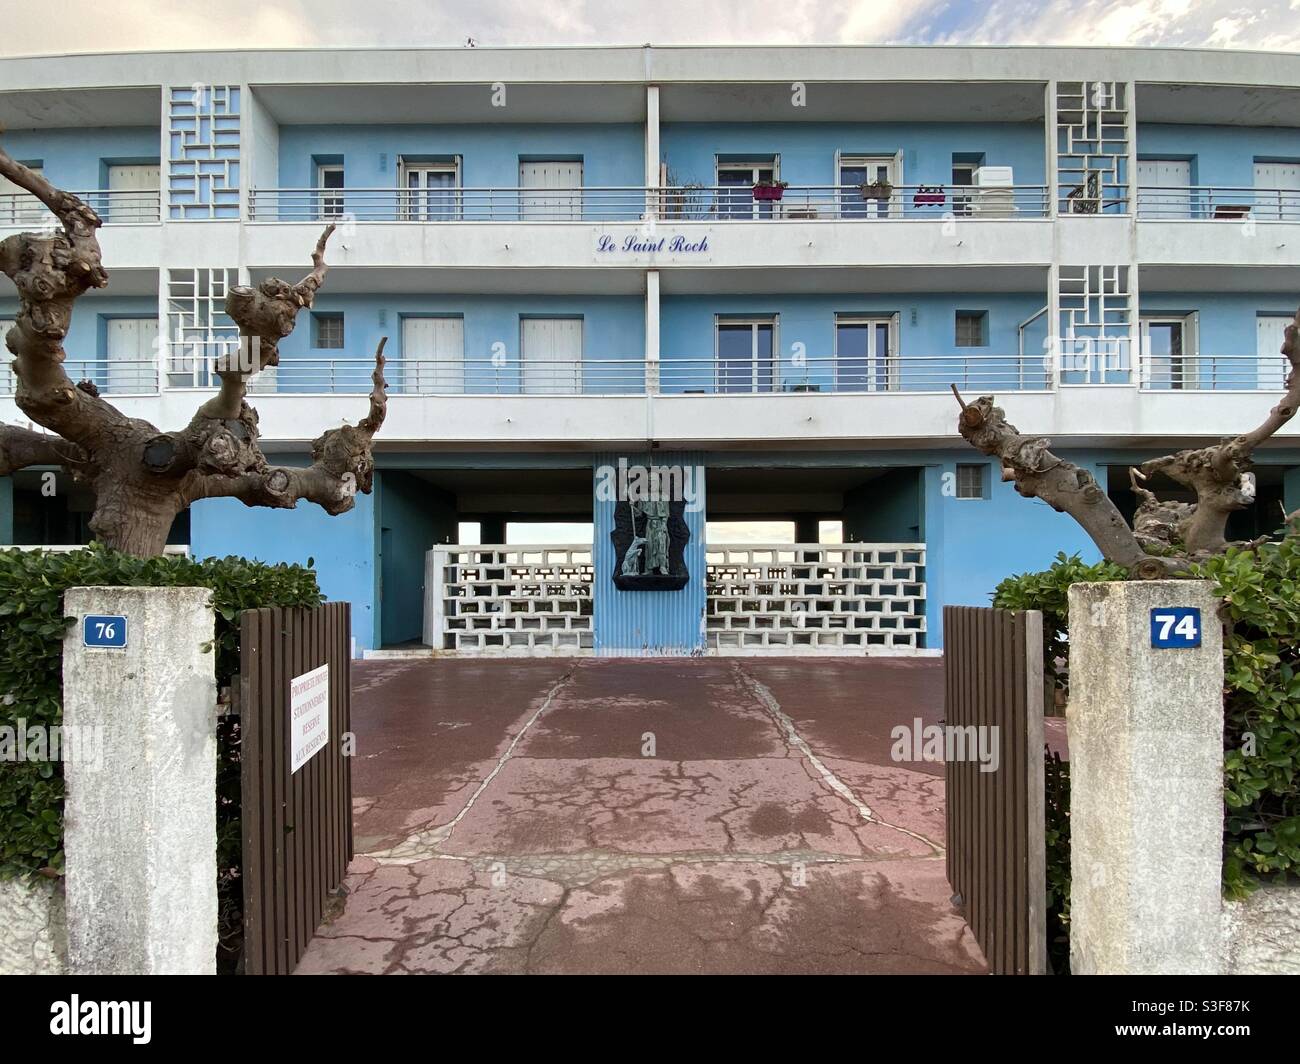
x: 758, y: 270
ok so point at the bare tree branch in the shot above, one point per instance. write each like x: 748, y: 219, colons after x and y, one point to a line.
x: 20, y: 448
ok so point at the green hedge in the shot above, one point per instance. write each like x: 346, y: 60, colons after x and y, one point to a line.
x: 32, y: 626
x: 1261, y: 592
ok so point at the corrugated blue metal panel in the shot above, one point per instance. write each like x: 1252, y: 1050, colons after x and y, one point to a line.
x: 648, y: 623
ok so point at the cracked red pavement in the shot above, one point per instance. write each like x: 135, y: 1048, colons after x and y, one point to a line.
x: 644, y: 816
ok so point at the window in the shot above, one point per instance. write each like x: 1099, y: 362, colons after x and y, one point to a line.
x: 858, y: 170
x: 970, y: 481
x: 329, y: 177
x: 429, y: 189
x: 746, y: 354
x: 327, y: 331
x: 865, y: 350
x: 736, y: 181
x: 972, y: 328
x: 1169, y: 350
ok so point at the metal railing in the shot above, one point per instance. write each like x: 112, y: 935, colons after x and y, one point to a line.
x: 114, y: 207
x: 632, y: 204
x: 116, y: 377
x: 849, y: 373
x: 1214, y: 373
x: 1219, y: 203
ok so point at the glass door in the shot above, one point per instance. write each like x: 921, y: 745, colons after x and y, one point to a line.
x: 856, y: 173
x: 745, y: 355
x: 866, y: 358
x: 429, y: 192
x: 1169, y: 350
x: 329, y: 179
x: 736, y: 183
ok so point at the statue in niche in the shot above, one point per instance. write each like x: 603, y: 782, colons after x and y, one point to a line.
x: 650, y: 538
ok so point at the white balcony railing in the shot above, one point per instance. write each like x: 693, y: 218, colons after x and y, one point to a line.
x: 670, y: 376
x: 1214, y: 373
x: 116, y: 377
x: 1219, y: 203
x: 632, y: 204
x: 114, y: 207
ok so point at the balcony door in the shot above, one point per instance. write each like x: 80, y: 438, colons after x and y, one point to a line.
x: 7, y: 381
x: 429, y: 190
x: 433, y: 355
x: 866, y: 353
x: 1164, y: 188
x: 1277, y: 192
x: 132, y: 352
x: 746, y: 355
x: 1270, y: 331
x: 135, y: 192
x: 550, y: 190
x: 736, y: 181
x: 1169, y: 345
x: 858, y: 170
x: 329, y: 201
x: 551, y: 352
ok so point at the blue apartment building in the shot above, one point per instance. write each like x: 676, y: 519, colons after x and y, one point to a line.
x: 764, y: 265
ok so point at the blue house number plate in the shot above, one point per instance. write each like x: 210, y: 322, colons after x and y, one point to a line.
x: 103, y: 630
x: 1175, y: 626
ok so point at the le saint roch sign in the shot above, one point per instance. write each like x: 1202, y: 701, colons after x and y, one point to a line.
x: 612, y: 246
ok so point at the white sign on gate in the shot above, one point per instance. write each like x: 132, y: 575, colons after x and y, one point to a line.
x: 309, y: 716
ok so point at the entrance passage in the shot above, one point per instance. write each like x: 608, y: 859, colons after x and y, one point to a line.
x: 645, y: 816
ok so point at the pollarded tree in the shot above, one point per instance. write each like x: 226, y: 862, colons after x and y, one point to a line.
x: 141, y: 477
x: 1166, y: 537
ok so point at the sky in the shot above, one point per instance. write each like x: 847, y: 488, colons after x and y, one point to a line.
x: 56, y: 26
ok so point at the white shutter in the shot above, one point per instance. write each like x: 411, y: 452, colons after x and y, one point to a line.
x: 551, y: 206
x: 1156, y: 174
x: 1270, y: 331
x: 433, y: 355
x: 7, y: 381
x: 551, y: 355
x: 136, y: 193
x: 132, y: 354
x: 20, y: 207
x: 1277, y: 192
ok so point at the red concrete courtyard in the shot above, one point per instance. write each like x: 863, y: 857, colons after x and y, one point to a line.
x: 707, y: 815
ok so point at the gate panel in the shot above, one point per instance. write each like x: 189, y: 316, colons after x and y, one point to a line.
x: 297, y: 826
x: 996, y: 860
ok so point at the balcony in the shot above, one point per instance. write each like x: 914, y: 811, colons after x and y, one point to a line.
x: 631, y: 204
x: 1200, y: 203
x: 21, y: 210
x: 112, y: 378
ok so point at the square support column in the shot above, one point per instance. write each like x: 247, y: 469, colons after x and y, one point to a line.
x: 140, y: 826
x: 1146, y: 781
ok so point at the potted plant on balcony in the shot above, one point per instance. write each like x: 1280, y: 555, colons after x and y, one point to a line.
x: 880, y: 189
x: 770, y: 190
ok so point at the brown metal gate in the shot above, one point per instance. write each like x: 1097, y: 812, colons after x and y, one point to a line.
x: 996, y: 861
x: 297, y: 826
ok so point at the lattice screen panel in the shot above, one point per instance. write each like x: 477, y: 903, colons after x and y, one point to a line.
x: 514, y: 600
x: 1096, y: 317
x: 1092, y: 147
x: 203, y: 161
x: 806, y: 598
x: 199, y: 330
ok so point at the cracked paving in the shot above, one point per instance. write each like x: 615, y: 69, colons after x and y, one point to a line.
x: 508, y: 821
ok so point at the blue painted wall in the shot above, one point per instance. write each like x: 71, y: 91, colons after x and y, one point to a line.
x: 613, y: 330
x: 1220, y: 155
x: 413, y: 515
x: 648, y: 623
x: 611, y: 154
x: 972, y: 544
x: 807, y: 150
x: 76, y: 159
x: 343, y: 547
x: 687, y: 328
x: 888, y: 509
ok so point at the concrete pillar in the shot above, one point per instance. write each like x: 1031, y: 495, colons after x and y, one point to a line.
x: 140, y: 832
x: 652, y: 332
x: 492, y: 529
x: 1146, y: 781
x: 807, y: 528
